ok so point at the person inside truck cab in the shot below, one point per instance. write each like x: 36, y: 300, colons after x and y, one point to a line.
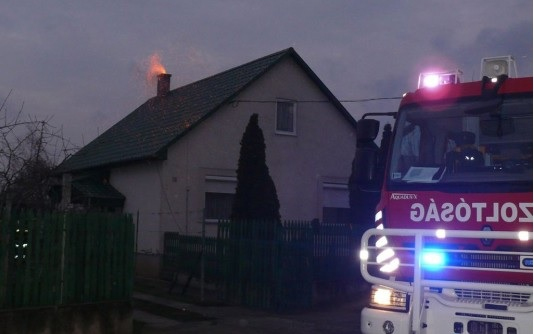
x: 425, y: 145
x: 410, y: 146
x: 466, y: 154
x: 417, y: 146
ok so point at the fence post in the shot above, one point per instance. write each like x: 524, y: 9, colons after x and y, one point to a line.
x: 137, y: 231
x: 4, y: 253
x: 63, y: 242
x: 202, y: 255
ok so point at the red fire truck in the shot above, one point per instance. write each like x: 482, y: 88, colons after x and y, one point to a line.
x: 452, y: 247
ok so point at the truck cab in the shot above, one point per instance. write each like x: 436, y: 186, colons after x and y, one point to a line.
x: 452, y: 247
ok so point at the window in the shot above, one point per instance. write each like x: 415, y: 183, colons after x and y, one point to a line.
x: 470, y: 142
x: 336, y: 215
x: 336, y: 208
x: 218, y: 206
x: 286, y: 117
x: 218, y: 197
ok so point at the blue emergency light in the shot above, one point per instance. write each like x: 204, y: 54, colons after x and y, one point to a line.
x: 433, y: 259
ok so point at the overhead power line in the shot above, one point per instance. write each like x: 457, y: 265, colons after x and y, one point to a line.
x: 372, y: 99
x: 320, y: 101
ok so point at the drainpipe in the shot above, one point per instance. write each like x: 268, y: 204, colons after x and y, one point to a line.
x: 187, y: 211
x: 66, y: 190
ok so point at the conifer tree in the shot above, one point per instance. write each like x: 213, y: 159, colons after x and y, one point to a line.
x: 255, y: 196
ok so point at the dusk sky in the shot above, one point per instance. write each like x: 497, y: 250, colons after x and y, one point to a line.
x: 82, y: 64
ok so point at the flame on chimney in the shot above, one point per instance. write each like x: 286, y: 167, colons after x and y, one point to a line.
x: 154, y: 67
x: 156, y: 71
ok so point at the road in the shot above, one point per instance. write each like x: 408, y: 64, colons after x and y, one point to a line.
x: 164, y: 316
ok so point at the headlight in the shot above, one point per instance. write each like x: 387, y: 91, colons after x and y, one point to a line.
x: 385, y: 298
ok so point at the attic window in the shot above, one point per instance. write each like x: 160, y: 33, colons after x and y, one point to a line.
x: 286, y: 117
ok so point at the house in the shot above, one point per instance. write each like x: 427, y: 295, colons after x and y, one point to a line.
x: 172, y: 162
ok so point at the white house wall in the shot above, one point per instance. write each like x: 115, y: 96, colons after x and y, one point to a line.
x: 140, y: 184
x: 321, y: 152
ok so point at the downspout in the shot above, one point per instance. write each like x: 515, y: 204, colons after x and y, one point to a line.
x: 187, y: 186
x: 66, y: 190
x: 187, y: 209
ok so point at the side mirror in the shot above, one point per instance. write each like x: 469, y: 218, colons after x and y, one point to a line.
x: 367, y: 130
x: 365, y: 167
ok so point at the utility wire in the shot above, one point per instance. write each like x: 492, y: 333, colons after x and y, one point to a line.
x: 371, y: 99
x: 319, y: 101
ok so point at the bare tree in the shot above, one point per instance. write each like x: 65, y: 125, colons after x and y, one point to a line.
x: 30, y: 148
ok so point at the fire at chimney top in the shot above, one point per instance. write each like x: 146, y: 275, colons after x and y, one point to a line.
x: 164, y: 84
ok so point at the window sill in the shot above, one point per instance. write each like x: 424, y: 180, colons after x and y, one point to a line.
x: 212, y: 221
x: 284, y: 133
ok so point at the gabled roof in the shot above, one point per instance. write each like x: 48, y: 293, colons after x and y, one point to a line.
x: 147, y: 132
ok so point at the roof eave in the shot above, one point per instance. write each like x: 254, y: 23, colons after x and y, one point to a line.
x: 158, y: 156
x: 323, y: 88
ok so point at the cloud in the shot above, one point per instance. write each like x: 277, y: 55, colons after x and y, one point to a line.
x: 81, y: 61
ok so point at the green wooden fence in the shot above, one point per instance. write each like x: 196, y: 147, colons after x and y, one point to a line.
x: 266, y: 265
x: 182, y: 256
x: 58, y: 259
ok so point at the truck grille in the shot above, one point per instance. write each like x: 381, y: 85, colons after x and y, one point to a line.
x: 483, y: 327
x: 478, y: 260
x: 493, y: 296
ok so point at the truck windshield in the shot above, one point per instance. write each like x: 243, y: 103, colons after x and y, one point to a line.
x: 468, y: 142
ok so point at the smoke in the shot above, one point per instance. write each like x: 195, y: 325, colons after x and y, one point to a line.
x: 154, y: 68
x: 145, y: 73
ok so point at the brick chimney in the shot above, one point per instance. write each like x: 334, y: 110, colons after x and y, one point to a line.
x: 164, y: 84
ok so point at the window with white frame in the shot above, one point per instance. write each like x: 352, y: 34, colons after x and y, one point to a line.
x: 286, y: 117
x: 218, y: 197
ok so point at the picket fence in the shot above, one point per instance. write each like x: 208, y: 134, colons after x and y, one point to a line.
x: 59, y: 259
x: 266, y: 265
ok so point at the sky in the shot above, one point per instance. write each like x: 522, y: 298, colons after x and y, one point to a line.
x: 82, y: 64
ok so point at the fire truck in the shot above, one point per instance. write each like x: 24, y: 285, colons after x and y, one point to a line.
x: 452, y: 248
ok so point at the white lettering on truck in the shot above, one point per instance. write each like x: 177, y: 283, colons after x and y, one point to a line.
x: 463, y: 212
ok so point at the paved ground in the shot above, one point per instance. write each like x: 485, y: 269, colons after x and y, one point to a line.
x: 159, y: 314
